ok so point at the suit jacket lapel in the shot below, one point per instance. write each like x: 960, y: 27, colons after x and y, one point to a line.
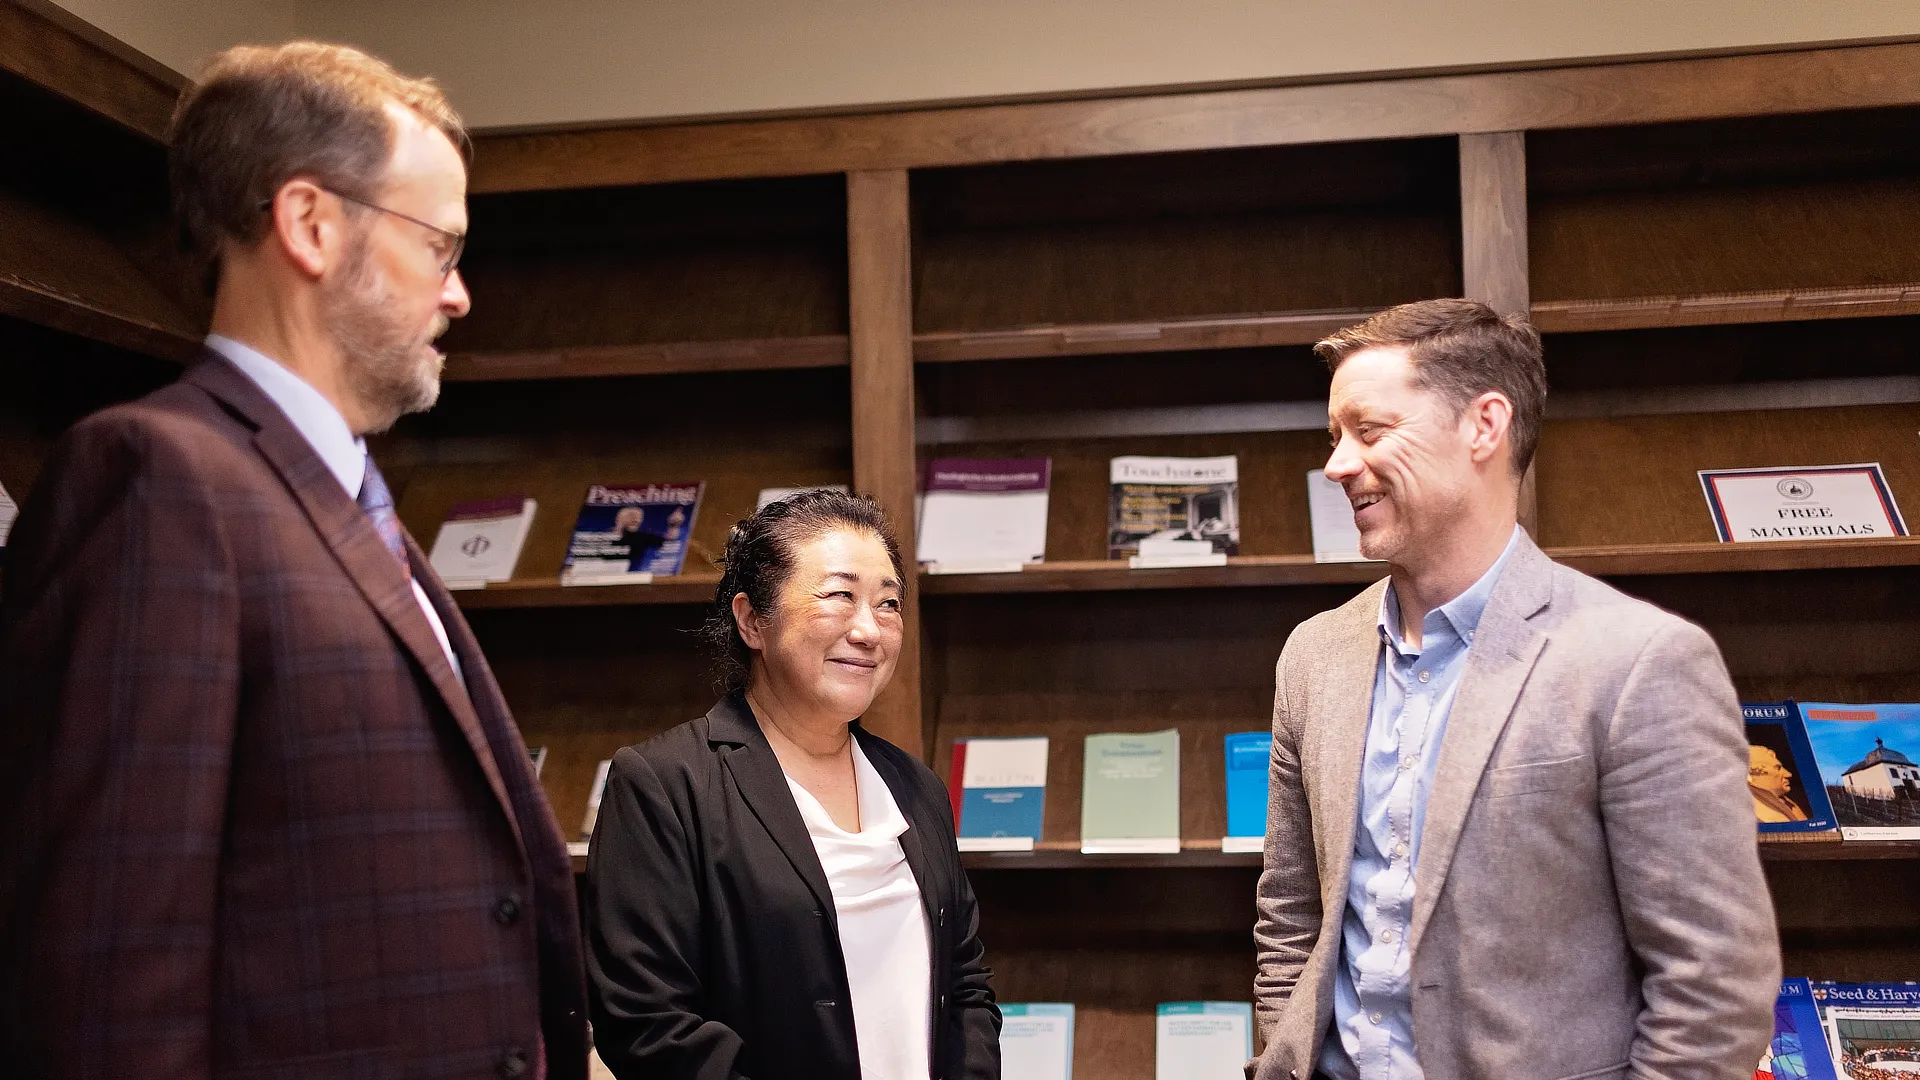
x: 913, y: 842
x: 356, y: 545
x: 1504, y: 650
x: 1337, y: 741
x: 762, y: 783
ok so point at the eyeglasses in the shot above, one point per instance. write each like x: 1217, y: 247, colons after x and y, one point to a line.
x: 456, y: 241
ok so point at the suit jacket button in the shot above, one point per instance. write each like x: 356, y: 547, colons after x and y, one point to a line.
x: 513, y: 1063
x: 943, y: 1001
x: 507, y: 911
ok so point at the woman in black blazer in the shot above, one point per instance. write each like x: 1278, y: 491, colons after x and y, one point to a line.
x: 773, y: 892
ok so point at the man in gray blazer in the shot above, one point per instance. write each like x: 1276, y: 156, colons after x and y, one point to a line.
x: 1509, y: 835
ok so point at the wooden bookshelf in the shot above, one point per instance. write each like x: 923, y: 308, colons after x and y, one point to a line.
x: 602, y: 361
x: 1166, y: 335
x: 1723, y: 309
x: 549, y: 593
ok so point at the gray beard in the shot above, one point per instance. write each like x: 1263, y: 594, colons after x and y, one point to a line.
x: 384, y: 369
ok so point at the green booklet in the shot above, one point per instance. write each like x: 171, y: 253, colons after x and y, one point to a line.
x: 1130, y: 798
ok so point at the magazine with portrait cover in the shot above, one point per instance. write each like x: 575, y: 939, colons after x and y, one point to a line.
x: 1171, y: 506
x: 1872, y: 1029
x: 1783, y: 776
x: 1867, y: 757
x: 626, y: 531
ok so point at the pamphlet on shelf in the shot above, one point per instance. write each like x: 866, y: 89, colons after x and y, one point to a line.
x: 626, y: 534
x: 775, y: 494
x: 480, y: 542
x: 1807, y: 502
x: 988, y: 512
x: 1866, y: 757
x: 1130, y: 794
x: 1783, y: 775
x: 1202, y: 1040
x: 1335, y: 537
x: 1036, y: 1041
x: 538, y: 754
x: 1872, y: 1029
x: 1155, y: 499
x: 1165, y: 554
x: 593, y: 798
x: 8, y: 511
x: 1249, y: 755
x: 999, y: 789
x: 1798, y: 1050
x: 578, y: 849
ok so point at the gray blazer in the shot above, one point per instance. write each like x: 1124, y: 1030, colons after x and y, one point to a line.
x: 1589, y: 901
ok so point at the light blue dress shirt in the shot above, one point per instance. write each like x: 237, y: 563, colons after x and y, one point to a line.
x: 1413, y: 690
x: 317, y: 421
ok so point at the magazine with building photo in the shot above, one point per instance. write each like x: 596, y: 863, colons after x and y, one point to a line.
x: 1867, y: 757
x: 628, y: 532
x: 984, y: 514
x: 1165, y: 507
x: 1872, y: 1029
x: 1798, y: 1049
x: 1782, y: 773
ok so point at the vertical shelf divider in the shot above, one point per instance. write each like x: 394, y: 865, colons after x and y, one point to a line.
x: 1493, y: 243
x: 880, y: 330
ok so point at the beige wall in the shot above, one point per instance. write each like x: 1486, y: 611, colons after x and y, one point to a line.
x: 511, y: 63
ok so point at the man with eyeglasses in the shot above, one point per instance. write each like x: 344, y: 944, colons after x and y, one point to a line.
x: 263, y: 811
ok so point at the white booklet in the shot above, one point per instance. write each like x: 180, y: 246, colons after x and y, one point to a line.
x: 481, y: 541
x: 1202, y: 1040
x: 8, y: 511
x: 984, y: 515
x: 1335, y: 537
x: 1036, y: 1041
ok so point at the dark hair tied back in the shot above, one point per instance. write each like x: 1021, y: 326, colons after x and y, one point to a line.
x: 759, y: 560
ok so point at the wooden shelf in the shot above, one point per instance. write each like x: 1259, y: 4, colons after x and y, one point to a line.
x: 549, y: 593
x: 1840, y: 851
x: 1168, y: 335
x: 1719, y: 309
x: 48, y: 305
x: 752, y: 354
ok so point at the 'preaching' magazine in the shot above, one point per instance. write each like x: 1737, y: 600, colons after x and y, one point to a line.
x: 631, y: 531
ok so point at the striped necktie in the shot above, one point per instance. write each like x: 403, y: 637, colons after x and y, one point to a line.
x: 377, y: 501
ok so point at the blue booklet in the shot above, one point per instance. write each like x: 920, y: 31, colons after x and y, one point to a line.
x: 1799, y: 1047
x: 1248, y: 753
x: 1872, y: 1029
x: 1783, y: 776
x: 999, y: 792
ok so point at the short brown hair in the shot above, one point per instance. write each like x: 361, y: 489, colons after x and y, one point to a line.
x: 260, y: 115
x: 1461, y: 349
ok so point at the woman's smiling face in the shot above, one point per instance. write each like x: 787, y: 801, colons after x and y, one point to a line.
x: 833, y: 637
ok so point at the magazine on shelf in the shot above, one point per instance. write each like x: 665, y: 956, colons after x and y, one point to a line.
x: 1798, y: 1050
x: 999, y: 790
x: 775, y: 494
x: 1783, y: 775
x: 1130, y: 796
x: 1872, y: 1029
x: 1866, y: 755
x: 1249, y: 754
x: 631, y: 533
x: 983, y: 515
x: 1335, y: 537
x: 480, y: 542
x: 1174, y: 511
x: 1036, y: 1041
x: 1202, y: 1040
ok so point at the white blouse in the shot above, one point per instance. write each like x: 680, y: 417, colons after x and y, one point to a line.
x: 883, y: 928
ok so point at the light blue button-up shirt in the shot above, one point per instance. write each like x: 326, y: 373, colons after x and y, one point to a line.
x: 1413, y: 690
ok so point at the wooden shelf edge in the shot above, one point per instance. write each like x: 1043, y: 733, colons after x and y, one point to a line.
x: 1278, y: 570
x: 1166, y: 335
x: 1721, y: 309
x: 600, y: 361
x: 1840, y: 851
x: 549, y: 593
x: 35, y: 302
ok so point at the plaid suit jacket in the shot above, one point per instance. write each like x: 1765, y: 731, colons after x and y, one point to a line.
x: 252, y: 824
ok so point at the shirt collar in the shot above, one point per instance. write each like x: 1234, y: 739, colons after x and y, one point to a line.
x: 1462, y: 613
x: 311, y: 414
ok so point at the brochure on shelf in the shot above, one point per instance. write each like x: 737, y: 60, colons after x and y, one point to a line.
x: 1335, y: 537
x: 1798, y: 1050
x: 480, y: 541
x: 1173, y: 511
x: 1866, y: 758
x: 983, y: 515
x: 1036, y: 1041
x: 1130, y: 795
x: 1801, y: 502
x: 628, y: 533
x: 775, y: 494
x: 1202, y: 1040
x: 999, y: 789
x: 593, y: 798
x: 1249, y: 754
x: 1783, y: 776
x: 1872, y: 1029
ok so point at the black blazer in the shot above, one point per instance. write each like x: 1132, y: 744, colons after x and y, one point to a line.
x: 713, y: 947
